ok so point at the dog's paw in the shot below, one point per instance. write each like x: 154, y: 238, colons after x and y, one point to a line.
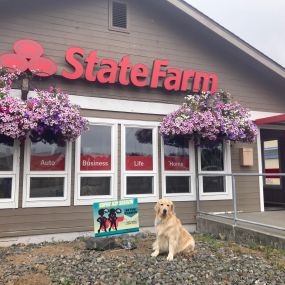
x: 169, y: 258
x: 155, y: 253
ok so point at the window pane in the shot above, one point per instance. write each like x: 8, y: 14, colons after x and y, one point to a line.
x: 213, y: 184
x: 177, y: 184
x: 212, y: 158
x: 176, y: 154
x: 41, y: 187
x: 139, y: 149
x: 95, y: 186
x: 47, y: 157
x: 271, y: 162
x: 6, y: 154
x: 96, y: 148
x: 5, y: 188
x: 139, y: 185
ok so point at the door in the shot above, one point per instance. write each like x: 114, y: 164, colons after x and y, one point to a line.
x: 273, y: 154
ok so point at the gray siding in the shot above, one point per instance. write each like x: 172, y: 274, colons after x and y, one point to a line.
x: 160, y: 32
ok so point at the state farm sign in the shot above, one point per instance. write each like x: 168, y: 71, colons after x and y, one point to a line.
x: 28, y: 56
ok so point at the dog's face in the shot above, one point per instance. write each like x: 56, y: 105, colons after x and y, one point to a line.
x: 164, y: 208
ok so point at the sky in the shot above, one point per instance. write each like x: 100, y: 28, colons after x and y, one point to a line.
x: 261, y: 23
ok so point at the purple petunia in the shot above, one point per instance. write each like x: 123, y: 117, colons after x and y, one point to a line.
x: 49, y: 117
x: 55, y: 118
x: 210, y: 117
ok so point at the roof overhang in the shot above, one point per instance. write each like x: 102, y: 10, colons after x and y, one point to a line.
x: 273, y: 120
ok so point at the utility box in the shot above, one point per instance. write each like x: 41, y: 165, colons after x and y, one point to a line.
x: 246, y: 156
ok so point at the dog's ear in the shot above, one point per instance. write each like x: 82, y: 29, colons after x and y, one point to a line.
x: 172, y: 208
x: 156, y: 208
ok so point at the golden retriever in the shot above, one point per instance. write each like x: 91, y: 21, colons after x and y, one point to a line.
x: 171, y: 236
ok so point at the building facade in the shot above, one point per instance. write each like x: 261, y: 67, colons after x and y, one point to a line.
x: 127, y: 66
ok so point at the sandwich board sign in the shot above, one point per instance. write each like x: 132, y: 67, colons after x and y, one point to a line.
x: 115, y: 217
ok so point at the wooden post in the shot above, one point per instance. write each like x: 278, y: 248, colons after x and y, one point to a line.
x: 25, y: 88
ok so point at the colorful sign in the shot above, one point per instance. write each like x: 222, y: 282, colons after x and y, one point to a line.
x: 115, y: 217
x: 176, y: 163
x: 48, y: 162
x: 95, y: 162
x: 139, y: 162
x: 28, y: 56
x: 271, y: 162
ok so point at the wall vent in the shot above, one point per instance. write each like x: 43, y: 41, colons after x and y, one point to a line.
x: 119, y: 15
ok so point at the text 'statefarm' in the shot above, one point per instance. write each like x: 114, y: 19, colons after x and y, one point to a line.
x: 125, y: 73
x: 29, y: 56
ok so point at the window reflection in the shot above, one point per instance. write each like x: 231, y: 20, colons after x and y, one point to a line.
x: 47, y: 157
x: 6, y: 154
x: 96, y: 148
x: 139, y: 149
x: 213, y: 184
x: 139, y: 185
x: 95, y: 186
x: 5, y: 188
x: 44, y: 187
x: 176, y: 154
x: 178, y: 184
x: 212, y: 158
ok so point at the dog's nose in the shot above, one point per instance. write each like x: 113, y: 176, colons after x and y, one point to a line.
x: 164, y: 211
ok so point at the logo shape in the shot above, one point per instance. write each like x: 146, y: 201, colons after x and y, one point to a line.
x: 28, y: 55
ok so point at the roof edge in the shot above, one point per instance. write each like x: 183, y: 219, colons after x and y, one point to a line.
x: 228, y: 36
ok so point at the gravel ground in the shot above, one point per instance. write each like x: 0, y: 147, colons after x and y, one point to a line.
x: 214, y: 262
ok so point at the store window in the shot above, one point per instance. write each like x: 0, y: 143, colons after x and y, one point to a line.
x: 178, y: 180
x: 96, y: 164
x: 47, y: 175
x: 214, y: 161
x: 9, y: 170
x: 139, y: 161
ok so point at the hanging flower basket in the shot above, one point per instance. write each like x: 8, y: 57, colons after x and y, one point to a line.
x: 6, y: 80
x: 210, y: 118
x: 55, y: 119
x: 14, y: 116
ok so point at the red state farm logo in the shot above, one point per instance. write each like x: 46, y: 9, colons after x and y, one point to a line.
x: 28, y: 55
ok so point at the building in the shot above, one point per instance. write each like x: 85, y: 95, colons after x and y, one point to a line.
x: 116, y: 59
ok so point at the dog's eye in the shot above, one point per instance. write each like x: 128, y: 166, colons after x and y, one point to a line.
x: 167, y: 205
x: 161, y: 204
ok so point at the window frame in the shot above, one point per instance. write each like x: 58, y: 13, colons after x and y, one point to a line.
x: 191, y: 196
x: 13, y: 202
x: 29, y: 202
x: 227, y: 195
x: 89, y: 200
x: 110, y: 17
x: 145, y: 198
